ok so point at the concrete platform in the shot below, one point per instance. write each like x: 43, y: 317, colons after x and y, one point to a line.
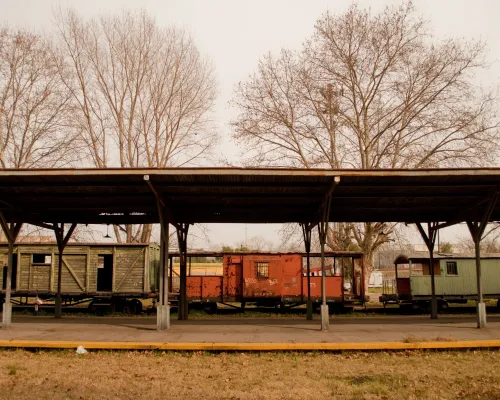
x: 407, y: 330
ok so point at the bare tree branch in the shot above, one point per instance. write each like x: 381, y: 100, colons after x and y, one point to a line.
x: 369, y: 91
x: 142, y: 95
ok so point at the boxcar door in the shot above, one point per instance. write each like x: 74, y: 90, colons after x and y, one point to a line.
x: 291, y: 265
x: 232, y: 278
x: 105, y: 273
x: 14, y: 274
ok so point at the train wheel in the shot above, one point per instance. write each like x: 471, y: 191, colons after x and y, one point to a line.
x: 443, y: 306
x: 92, y: 307
x: 135, y: 306
x: 210, y: 308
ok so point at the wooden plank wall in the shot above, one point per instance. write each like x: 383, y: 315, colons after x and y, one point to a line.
x: 129, y: 271
x: 133, y: 267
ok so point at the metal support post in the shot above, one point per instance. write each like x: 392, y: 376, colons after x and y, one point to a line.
x: 162, y: 307
x: 306, y: 231
x: 171, y: 274
x: 323, y: 232
x: 62, y: 241
x: 322, y: 229
x: 430, y: 240
x: 477, y: 229
x: 182, y: 232
x: 11, y: 232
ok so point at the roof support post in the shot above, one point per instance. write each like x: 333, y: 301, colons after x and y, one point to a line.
x: 162, y: 306
x: 476, y: 229
x: 306, y: 232
x: 62, y: 241
x: 182, y: 232
x: 11, y: 232
x: 430, y: 240
x: 323, y: 233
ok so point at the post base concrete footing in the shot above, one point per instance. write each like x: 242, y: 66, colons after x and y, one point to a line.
x: 325, y: 321
x: 6, y: 315
x: 481, y: 315
x: 162, y: 317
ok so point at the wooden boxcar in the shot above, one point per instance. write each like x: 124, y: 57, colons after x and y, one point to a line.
x: 455, y: 279
x: 89, y: 270
x: 272, y: 279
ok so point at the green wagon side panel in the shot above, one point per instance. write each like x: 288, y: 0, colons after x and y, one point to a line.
x: 462, y: 284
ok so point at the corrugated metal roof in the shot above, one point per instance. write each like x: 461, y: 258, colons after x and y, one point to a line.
x: 246, y: 195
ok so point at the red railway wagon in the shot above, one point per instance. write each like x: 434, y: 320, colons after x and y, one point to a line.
x: 271, y: 279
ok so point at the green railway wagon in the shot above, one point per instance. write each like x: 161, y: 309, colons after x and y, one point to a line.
x: 101, y: 274
x: 454, y: 277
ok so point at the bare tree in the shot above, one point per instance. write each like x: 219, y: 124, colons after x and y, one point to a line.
x: 370, y: 91
x: 258, y: 243
x: 34, y: 104
x: 144, y: 94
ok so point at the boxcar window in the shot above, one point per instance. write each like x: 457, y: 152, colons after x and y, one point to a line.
x: 262, y: 270
x: 41, y: 259
x: 451, y: 268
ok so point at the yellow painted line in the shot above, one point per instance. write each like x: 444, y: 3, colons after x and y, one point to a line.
x: 228, y: 346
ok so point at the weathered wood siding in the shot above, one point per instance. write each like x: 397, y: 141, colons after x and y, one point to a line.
x: 464, y: 283
x: 129, y: 270
x: 73, y: 273
x: 135, y: 268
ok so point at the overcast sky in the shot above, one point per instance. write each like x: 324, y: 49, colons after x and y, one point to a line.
x: 235, y: 34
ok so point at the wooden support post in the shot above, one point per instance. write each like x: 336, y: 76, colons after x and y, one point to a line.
x: 11, y: 232
x: 430, y: 240
x: 306, y: 231
x: 182, y: 232
x: 62, y: 241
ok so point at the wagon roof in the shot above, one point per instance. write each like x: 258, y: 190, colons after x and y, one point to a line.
x: 246, y: 195
x: 424, y: 256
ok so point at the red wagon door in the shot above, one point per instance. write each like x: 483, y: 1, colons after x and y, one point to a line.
x: 233, y: 266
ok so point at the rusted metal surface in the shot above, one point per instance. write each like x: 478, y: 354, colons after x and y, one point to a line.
x: 275, y: 279
x: 205, y: 288
x: 233, y: 277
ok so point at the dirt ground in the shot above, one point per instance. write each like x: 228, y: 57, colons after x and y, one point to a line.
x: 155, y: 375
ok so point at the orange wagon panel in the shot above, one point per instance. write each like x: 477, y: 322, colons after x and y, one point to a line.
x: 204, y: 287
x: 262, y: 276
x: 333, y: 286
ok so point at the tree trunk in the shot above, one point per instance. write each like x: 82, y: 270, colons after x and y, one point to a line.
x: 368, y: 263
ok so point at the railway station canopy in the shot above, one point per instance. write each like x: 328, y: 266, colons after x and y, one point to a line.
x: 245, y: 195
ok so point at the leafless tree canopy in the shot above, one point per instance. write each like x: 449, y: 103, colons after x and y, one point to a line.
x: 34, y: 105
x: 142, y: 94
x: 370, y: 91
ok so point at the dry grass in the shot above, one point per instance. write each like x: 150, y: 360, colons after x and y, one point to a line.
x: 102, y: 375
x: 418, y: 339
